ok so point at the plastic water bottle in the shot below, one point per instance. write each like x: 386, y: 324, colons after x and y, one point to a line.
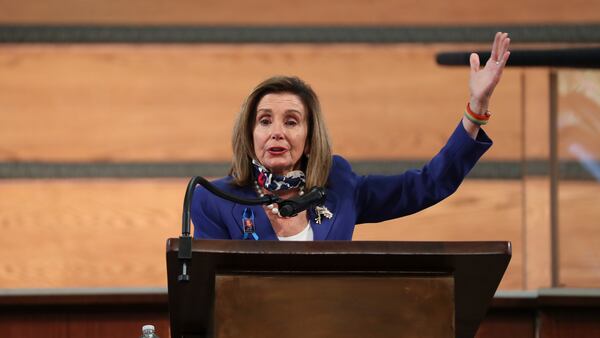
x: 148, y: 332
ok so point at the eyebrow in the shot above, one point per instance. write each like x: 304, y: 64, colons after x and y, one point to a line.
x: 268, y: 110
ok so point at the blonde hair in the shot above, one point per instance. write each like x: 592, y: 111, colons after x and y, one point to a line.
x: 316, y: 166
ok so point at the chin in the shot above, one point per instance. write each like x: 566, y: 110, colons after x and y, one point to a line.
x: 280, y: 168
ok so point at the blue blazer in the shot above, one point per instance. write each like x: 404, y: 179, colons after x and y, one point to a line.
x: 352, y: 198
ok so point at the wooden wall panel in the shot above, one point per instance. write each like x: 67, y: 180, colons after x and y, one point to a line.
x: 574, y: 322
x: 56, y: 322
x: 178, y: 102
x: 269, y: 12
x: 90, y: 313
x: 536, y: 117
x: 578, y: 213
x: 537, y: 265
x: 28, y: 325
x: 112, y: 233
x: 87, y: 233
x: 480, y: 210
x: 578, y: 115
x: 579, y: 234
x: 501, y: 324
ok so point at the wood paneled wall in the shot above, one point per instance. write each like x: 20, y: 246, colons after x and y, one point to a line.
x: 102, y: 233
x: 112, y: 233
x: 310, y: 12
x: 88, y: 103
x: 87, y: 233
x: 579, y: 234
x: 173, y: 103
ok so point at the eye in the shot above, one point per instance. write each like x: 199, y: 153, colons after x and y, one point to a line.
x: 264, y: 121
x: 291, y: 122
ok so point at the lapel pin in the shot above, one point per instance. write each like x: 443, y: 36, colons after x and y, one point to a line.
x: 248, y: 224
x: 322, y: 211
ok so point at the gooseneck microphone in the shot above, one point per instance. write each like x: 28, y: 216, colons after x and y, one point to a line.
x: 287, y: 208
x: 291, y: 207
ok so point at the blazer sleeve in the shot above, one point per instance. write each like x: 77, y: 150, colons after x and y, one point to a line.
x: 207, y: 220
x: 379, y: 198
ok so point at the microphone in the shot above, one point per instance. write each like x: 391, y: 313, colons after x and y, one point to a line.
x: 185, y: 240
x: 287, y: 208
x: 291, y: 207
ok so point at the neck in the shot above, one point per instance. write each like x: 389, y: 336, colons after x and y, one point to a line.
x: 284, y: 194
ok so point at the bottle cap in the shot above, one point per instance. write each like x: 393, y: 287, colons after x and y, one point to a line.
x: 148, y: 327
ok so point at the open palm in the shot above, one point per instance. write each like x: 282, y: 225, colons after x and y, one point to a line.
x: 483, y: 80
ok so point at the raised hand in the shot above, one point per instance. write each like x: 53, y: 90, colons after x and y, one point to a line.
x: 483, y: 80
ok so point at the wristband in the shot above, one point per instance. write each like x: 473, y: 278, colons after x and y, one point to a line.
x: 480, y: 119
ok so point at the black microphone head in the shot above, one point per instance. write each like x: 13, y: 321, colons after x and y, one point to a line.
x: 287, y: 210
x: 293, y: 206
x: 316, y: 196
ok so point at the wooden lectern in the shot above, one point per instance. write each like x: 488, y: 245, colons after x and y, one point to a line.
x: 328, y: 289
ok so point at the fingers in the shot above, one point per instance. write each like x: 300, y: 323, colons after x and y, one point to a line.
x: 499, y: 48
x: 505, y: 58
x: 503, y: 43
x: 494, y: 52
x: 504, y: 50
x: 474, y: 61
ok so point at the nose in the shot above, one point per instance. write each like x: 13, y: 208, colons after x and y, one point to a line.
x: 277, y: 132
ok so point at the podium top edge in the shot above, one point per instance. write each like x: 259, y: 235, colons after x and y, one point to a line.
x: 348, y: 247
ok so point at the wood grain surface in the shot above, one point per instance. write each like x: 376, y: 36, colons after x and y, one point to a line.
x: 579, y: 234
x: 87, y: 233
x: 574, y: 322
x: 93, y: 322
x: 480, y: 210
x: 579, y: 115
x: 270, y: 12
x: 536, y: 231
x: 101, y: 233
x: 327, y: 306
x: 178, y: 102
x: 112, y: 233
x: 500, y: 324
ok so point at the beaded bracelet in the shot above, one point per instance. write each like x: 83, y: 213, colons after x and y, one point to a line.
x: 480, y: 119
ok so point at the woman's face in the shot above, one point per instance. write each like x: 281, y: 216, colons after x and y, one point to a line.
x: 280, y: 132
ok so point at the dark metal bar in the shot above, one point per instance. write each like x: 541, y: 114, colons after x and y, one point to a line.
x: 554, y: 179
x: 558, y: 33
x: 507, y: 170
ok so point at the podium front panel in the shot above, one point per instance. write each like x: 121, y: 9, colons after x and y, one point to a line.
x: 330, y: 305
x: 345, y: 287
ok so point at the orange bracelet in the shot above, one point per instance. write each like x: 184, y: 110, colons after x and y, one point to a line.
x: 474, y: 120
x: 479, y: 117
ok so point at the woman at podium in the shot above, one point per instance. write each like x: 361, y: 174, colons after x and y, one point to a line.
x: 281, y: 146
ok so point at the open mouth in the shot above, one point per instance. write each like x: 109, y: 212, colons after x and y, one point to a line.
x: 277, y: 150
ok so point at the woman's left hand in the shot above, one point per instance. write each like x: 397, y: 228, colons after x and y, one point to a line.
x: 483, y: 81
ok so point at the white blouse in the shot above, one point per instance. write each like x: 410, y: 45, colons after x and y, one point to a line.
x: 304, y: 235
